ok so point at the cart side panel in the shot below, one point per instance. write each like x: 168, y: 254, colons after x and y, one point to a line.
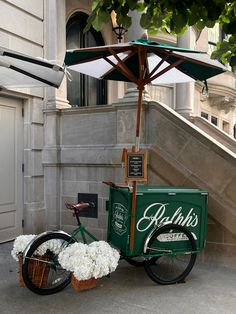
x: 119, y: 219
x: 189, y: 210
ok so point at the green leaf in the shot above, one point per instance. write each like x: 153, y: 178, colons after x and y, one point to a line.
x: 210, y: 24
x: 200, y: 25
x: 95, y: 3
x: 145, y: 20
x: 233, y: 61
x: 132, y: 4
x: 90, y: 20
x: 103, y: 16
x: 193, y: 18
x: 124, y: 20
x: 97, y: 23
x: 179, y: 22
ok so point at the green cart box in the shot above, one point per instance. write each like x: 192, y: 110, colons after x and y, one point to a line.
x: 155, y: 205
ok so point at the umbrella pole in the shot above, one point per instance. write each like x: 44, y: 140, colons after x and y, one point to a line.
x: 136, y: 149
x: 138, y: 119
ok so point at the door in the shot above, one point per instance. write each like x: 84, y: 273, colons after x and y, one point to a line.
x: 11, y: 176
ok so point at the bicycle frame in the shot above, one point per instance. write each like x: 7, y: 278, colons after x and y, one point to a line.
x: 83, y: 231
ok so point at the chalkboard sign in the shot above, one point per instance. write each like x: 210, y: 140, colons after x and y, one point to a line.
x: 136, y: 166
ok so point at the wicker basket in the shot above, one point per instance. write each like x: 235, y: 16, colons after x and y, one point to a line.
x: 38, y: 271
x: 80, y: 285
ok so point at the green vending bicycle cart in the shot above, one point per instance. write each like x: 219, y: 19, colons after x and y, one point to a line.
x: 170, y: 229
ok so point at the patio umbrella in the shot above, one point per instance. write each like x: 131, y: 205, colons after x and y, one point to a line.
x: 142, y: 62
x: 19, y: 70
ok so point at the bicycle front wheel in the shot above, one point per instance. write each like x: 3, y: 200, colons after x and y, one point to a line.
x: 176, y: 250
x: 41, y: 270
x: 139, y: 261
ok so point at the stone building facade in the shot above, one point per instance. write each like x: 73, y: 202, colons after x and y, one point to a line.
x: 69, y: 150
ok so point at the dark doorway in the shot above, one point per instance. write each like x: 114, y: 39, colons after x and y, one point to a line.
x: 84, y: 90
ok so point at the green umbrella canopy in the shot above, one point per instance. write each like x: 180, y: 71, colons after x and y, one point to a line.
x: 142, y: 62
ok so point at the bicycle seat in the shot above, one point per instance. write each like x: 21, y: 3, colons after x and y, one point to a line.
x: 79, y: 206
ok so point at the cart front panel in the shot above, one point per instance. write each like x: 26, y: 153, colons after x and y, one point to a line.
x: 155, y: 206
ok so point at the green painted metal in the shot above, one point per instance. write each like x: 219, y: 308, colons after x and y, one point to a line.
x: 152, y: 43
x: 156, y: 205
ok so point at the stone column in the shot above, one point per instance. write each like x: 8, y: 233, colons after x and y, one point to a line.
x: 185, y: 91
x: 134, y: 32
x: 55, y: 48
x: 56, y: 99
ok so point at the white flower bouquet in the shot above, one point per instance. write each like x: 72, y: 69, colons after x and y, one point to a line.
x: 21, y: 242
x: 20, y: 245
x: 95, y: 260
x: 36, y: 268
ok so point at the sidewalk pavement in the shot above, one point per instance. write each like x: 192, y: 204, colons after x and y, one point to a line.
x: 208, y: 289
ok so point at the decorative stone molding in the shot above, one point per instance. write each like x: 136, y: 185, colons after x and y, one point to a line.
x: 223, y: 97
x: 225, y: 103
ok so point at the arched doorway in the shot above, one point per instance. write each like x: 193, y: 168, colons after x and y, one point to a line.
x: 84, y: 90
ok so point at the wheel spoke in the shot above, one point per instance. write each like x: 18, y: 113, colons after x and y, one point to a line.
x: 41, y: 271
x: 174, y: 246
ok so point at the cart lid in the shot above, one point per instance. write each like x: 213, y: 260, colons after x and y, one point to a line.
x: 168, y: 189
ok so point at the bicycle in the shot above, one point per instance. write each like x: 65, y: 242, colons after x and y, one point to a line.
x: 168, y: 253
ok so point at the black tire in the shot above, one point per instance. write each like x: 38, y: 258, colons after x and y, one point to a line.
x: 57, y: 278
x: 176, y: 258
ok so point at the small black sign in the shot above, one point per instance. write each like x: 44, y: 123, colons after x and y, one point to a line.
x: 91, y: 211
x: 135, y: 166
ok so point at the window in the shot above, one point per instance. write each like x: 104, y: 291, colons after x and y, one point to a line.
x: 84, y: 90
x: 204, y: 115
x: 214, y: 120
x: 163, y: 93
x: 225, y: 126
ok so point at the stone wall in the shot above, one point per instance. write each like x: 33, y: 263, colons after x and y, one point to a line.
x: 22, y: 30
x: 87, y: 151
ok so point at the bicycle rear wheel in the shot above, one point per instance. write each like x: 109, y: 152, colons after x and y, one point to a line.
x: 41, y: 271
x: 176, y: 248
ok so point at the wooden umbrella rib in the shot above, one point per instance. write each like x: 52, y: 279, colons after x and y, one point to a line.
x: 160, y: 63
x: 117, y: 67
x: 186, y: 58
x: 123, y: 68
x: 94, y: 58
x: 168, y: 68
x: 183, y: 58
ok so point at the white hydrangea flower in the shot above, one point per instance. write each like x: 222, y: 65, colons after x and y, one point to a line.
x: 20, y: 244
x: 54, y: 245
x: 96, y: 260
